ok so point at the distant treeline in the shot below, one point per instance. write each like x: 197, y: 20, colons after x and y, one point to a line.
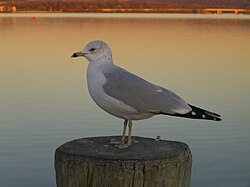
x: 123, y: 5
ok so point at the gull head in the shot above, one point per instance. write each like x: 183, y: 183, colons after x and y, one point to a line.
x: 95, y: 51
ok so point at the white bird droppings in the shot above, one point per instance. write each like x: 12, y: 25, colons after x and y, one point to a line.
x: 159, y: 90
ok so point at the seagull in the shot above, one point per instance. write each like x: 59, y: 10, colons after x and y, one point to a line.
x: 128, y: 96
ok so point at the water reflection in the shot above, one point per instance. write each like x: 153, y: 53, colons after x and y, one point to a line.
x: 44, y: 100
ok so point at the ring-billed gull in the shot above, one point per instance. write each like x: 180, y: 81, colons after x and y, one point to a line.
x: 127, y: 96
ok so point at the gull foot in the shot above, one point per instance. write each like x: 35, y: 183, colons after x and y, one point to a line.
x: 122, y: 146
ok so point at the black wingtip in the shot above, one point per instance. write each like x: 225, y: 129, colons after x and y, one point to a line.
x: 204, y: 114
x: 217, y: 119
x: 197, y: 113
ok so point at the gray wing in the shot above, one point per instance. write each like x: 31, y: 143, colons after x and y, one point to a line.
x: 141, y: 94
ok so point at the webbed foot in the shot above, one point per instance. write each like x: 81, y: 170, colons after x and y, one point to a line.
x: 122, y: 146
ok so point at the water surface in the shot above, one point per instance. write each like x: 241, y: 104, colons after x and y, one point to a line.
x: 44, y: 100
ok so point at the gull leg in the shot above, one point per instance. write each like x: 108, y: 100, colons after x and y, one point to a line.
x: 124, y: 131
x: 129, y: 132
x: 122, y: 141
x: 123, y: 146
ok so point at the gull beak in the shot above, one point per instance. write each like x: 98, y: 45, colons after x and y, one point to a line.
x: 77, y: 54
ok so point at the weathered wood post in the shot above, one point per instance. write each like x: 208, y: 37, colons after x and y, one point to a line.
x: 93, y: 162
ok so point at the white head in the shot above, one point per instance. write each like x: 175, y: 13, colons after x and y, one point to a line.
x: 95, y: 51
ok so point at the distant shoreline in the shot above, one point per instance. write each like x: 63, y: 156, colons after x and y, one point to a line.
x: 169, y: 11
x: 125, y: 6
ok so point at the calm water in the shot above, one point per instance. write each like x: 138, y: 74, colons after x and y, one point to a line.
x: 44, y: 101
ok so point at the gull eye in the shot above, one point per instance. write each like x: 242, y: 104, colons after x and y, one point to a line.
x: 92, y: 49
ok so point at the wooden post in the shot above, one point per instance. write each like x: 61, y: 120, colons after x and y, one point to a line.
x: 93, y: 162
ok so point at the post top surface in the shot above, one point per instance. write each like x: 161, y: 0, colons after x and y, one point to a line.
x: 144, y: 149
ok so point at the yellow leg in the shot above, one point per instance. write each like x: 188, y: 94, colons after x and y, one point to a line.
x: 122, y: 145
x: 129, y: 132
x: 124, y: 131
x: 122, y: 141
